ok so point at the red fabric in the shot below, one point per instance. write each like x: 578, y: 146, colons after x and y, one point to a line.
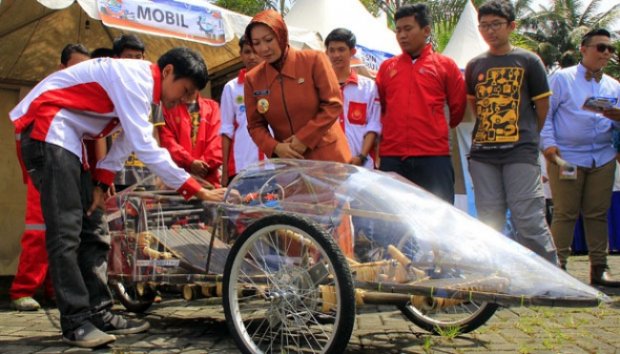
x: 175, y: 136
x: 104, y: 176
x: 90, y: 152
x: 84, y: 97
x: 189, y: 188
x: 156, y: 71
x: 241, y: 76
x: 32, y: 266
x: 352, y: 79
x: 413, y: 95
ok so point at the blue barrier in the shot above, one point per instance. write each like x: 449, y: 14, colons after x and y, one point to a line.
x: 579, y: 243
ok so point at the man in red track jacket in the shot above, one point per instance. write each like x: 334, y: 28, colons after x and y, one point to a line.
x: 192, y: 136
x: 414, y: 88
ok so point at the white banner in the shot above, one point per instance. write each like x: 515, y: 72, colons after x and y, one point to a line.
x: 197, y: 22
x: 372, y: 59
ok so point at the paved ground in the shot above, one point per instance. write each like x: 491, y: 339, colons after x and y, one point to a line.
x: 198, y: 327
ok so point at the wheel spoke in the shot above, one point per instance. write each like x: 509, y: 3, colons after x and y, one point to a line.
x: 286, y: 311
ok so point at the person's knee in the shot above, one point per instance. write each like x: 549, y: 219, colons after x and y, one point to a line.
x: 529, y: 216
x: 492, y: 215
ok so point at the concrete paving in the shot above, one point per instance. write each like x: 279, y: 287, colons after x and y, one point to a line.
x: 198, y: 326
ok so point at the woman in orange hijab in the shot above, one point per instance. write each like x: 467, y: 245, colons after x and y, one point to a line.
x: 294, y: 92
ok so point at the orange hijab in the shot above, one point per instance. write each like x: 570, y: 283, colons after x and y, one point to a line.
x: 273, y: 20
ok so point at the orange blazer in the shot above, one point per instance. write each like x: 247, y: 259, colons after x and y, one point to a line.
x: 303, y: 100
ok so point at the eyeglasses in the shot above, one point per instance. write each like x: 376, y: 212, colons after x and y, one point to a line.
x: 602, y: 47
x: 493, y: 25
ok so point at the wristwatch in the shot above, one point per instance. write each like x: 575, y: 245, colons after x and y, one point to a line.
x: 363, y: 158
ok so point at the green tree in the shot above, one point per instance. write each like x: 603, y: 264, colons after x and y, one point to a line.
x: 372, y: 6
x: 558, y: 29
x: 445, y: 15
x: 613, y: 67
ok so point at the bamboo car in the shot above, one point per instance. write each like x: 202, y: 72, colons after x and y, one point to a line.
x: 308, y: 242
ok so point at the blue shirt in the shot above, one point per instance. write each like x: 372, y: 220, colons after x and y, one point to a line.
x: 583, y: 137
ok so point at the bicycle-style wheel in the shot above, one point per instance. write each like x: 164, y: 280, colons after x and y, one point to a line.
x: 464, y: 316
x: 288, y: 288
x: 444, y: 315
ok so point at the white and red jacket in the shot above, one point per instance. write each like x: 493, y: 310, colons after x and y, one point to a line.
x: 413, y: 95
x: 94, y: 99
x: 361, y: 112
x: 176, y: 136
x: 235, y: 127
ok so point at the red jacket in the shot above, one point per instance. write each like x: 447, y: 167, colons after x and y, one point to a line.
x: 175, y: 136
x: 413, y: 95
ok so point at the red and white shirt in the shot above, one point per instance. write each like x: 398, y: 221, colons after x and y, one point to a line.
x: 235, y: 126
x: 94, y: 99
x: 361, y: 112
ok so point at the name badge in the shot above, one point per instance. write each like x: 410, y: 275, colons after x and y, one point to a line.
x: 261, y: 93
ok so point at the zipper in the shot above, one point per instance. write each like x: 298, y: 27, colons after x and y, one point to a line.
x: 290, y: 123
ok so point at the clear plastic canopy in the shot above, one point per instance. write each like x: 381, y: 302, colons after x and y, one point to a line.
x: 396, y: 237
x: 389, y: 218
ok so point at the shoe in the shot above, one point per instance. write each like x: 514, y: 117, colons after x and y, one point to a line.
x: 25, y: 303
x: 117, y: 324
x: 87, y: 336
x: 599, y: 275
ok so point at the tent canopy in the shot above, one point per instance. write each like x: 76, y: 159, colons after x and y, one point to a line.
x: 466, y: 41
x: 32, y: 34
x: 324, y: 16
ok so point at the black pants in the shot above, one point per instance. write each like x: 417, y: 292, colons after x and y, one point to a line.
x: 433, y: 173
x: 77, y: 245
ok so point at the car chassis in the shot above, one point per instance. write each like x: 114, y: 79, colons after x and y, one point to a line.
x: 310, y: 241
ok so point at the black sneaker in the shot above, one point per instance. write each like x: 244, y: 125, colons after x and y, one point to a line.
x: 117, y: 324
x: 87, y: 336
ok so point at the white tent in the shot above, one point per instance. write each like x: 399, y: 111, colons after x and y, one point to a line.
x: 466, y: 41
x: 375, y: 40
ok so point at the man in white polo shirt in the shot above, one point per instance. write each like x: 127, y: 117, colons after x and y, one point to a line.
x: 361, y: 116
x: 238, y: 148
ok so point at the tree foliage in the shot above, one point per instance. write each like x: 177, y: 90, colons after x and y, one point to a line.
x: 445, y: 15
x: 613, y: 67
x: 558, y: 29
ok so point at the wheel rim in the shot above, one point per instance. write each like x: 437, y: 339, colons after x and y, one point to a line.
x: 288, y: 312
x: 454, y: 316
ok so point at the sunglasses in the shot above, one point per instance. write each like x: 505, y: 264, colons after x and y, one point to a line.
x: 602, y: 47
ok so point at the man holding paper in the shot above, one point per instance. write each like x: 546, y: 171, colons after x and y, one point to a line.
x: 577, y: 143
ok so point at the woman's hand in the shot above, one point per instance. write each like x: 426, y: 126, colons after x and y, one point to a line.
x: 285, y: 150
x: 296, y: 144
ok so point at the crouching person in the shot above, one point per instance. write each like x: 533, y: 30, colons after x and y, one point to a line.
x: 92, y: 100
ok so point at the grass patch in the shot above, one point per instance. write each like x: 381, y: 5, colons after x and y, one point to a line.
x: 449, y: 332
x: 427, y: 345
